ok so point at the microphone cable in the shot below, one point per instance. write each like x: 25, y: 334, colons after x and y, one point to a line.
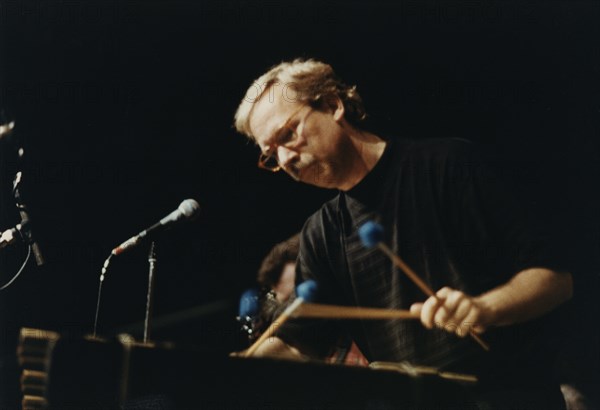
x: 20, y: 270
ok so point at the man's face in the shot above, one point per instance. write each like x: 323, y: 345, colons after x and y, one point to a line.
x: 309, y: 144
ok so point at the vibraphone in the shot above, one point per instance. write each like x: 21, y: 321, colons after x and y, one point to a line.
x: 61, y: 373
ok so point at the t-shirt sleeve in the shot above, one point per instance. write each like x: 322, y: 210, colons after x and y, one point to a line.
x: 490, y: 220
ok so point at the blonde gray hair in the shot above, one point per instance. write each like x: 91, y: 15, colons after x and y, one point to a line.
x: 307, y: 81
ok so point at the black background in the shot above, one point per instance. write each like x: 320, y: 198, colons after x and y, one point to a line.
x: 124, y: 109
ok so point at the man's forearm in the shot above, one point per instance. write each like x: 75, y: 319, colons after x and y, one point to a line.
x: 529, y: 294
x: 276, y: 348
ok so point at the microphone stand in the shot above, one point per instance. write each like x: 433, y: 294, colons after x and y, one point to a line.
x: 149, y: 297
x: 25, y: 220
x: 23, y: 229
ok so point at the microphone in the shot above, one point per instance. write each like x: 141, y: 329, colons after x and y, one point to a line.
x: 188, y: 210
x: 5, y: 129
x: 10, y: 236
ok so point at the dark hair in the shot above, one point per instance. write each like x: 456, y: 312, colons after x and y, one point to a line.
x: 272, y: 265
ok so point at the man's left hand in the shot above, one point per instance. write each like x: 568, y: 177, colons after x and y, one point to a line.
x: 453, y: 311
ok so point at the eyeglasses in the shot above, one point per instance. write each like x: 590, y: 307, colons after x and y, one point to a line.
x: 286, y: 137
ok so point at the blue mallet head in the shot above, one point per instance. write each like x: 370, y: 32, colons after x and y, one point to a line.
x: 371, y: 233
x: 249, y: 303
x: 307, y: 290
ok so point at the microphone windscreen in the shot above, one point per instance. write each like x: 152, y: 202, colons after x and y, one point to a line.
x: 371, y: 233
x: 190, y: 208
x: 249, y: 303
x: 307, y: 290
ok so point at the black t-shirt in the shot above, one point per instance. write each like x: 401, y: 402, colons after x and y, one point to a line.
x: 447, y: 215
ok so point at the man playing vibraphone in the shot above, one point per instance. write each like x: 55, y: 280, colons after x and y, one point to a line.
x: 444, y: 212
